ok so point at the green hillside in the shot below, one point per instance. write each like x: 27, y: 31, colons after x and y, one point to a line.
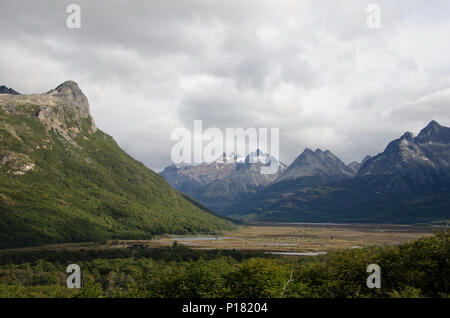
x: 74, y: 183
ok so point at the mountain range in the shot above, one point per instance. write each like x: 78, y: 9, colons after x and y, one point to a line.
x: 63, y: 180
x: 409, y: 182
x: 220, y: 183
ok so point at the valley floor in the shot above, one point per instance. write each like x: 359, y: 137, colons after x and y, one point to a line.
x: 414, y: 263
x: 274, y: 237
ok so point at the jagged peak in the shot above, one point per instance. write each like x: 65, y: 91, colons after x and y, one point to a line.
x: 65, y: 89
x: 319, y: 152
x: 71, y: 84
x: 307, y: 151
x: 354, y: 166
x: 434, y: 132
x: 70, y: 92
x: 256, y: 156
x: 407, y: 135
x: 228, y: 158
x: 433, y: 123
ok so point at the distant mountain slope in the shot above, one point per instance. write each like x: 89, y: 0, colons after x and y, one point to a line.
x: 7, y: 90
x: 64, y: 180
x: 218, y: 184
x: 408, y: 182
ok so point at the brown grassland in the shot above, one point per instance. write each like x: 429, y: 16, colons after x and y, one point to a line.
x: 274, y: 237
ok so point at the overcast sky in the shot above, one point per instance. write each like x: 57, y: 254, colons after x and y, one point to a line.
x: 311, y: 68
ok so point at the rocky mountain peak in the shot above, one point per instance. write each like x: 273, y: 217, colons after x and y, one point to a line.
x: 354, y: 166
x: 257, y: 156
x: 408, y: 136
x: 70, y: 93
x: 434, y: 132
x: 229, y: 158
x: 71, y: 97
x: 311, y: 163
x: 7, y: 90
x: 429, y: 150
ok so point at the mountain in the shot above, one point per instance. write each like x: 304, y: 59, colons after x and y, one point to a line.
x: 409, y: 182
x: 218, y: 184
x: 354, y: 167
x: 309, y: 169
x: 63, y: 180
x: 316, y: 163
x: 365, y: 159
x: 429, y: 150
x: 7, y: 90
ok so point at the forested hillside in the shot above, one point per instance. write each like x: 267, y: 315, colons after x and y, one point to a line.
x: 64, y: 180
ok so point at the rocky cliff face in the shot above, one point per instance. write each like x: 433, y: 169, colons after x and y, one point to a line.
x: 74, y: 105
x: 69, y: 94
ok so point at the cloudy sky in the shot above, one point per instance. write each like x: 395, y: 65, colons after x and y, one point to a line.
x: 311, y: 68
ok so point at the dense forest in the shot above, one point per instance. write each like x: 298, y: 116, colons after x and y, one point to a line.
x: 417, y: 269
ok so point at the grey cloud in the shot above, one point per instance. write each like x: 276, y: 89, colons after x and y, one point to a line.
x: 312, y: 69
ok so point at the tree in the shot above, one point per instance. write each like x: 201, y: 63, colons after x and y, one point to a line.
x: 258, y: 278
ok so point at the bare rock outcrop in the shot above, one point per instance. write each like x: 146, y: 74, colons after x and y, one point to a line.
x: 16, y: 163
